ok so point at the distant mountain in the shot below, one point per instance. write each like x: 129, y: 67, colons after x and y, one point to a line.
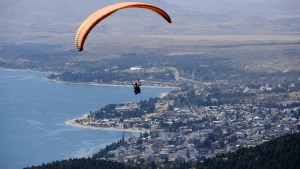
x: 283, y: 152
x: 25, y: 20
x: 238, y: 7
x: 62, y: 17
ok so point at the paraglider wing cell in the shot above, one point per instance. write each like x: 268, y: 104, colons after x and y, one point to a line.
x: 89, y: 23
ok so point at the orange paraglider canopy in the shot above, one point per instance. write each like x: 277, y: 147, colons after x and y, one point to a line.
x: 90, y: 22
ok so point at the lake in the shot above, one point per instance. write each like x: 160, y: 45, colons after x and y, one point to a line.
x: 33, y: 112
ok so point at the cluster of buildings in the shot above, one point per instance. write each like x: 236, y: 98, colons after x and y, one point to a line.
x: 209, y: 131
x: 197, y: 132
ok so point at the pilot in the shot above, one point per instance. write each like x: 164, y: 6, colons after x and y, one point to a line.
x: 136, y: 87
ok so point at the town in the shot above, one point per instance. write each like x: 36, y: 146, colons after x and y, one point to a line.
x: 190, y: 132
x: 223, y: 98
x: 215, y: 107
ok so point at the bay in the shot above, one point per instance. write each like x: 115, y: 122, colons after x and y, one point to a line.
x: 33, y: 112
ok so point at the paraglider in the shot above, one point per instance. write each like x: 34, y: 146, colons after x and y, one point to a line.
x: 136, y: 87
x: 89, y: 23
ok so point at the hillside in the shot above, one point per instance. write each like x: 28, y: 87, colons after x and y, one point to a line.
x: 49, y: 21
x: 283, y: 152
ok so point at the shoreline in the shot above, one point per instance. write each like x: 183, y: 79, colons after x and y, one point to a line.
x: 21, y: 70
x: 104, y: 84
x: 82, y: 83
x: 72, y: 121
x: 74, y: 124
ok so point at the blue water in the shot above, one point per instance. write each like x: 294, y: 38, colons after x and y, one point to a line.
x: 33, y: 112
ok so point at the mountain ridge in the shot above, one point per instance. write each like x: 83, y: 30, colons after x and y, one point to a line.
x: 62, y: 17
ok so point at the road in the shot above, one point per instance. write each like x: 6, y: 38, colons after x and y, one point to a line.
x: 183, y: 79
